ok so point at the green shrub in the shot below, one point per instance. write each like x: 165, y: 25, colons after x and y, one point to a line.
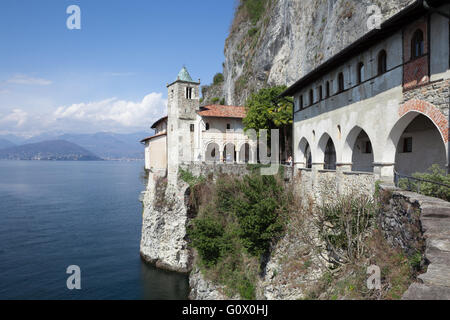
x: 434, y: 174
x: 255, y: 201
x: 218, y: 78
x: 344, y: 225
x: 236, y: 225
x: 208, y: 238
x: 189, y: 178
x: 215, y: 100
x: 254, y: 8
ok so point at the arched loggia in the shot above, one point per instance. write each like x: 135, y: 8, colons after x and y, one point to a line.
x: 304, y: 153
x: 245, y: 153
x: 358, y: 150
x: 212, y: 153
x: 419, y: 146
x: 229, y: 153
x: 328, y: 152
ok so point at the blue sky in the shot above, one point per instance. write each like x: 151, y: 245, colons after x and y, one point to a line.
x: 111, y: 74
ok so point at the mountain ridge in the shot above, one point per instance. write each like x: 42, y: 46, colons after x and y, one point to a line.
x: 52, y: 150
x: 107, y: 145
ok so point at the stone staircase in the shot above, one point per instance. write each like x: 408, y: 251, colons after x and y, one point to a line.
x: 435, y: 283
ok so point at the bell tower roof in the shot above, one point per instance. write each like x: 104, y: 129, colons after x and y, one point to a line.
x: 184, y: 75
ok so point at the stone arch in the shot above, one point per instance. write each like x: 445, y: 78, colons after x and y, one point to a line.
x: 358, y: 150
x: 426, y: 128
x: 407, y: 113
x: 304, y: 153
x: 245, y: 153
x: 327, y: 152
x: 429, y: 110
x: 212, y: 152
x: 229, y: 152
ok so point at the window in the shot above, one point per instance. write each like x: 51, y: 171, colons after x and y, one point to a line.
x: 417, y: 44
x: 407, y: 145
x: 188, y: 93
x: 382, y: 62
x: 207, y: 126
x: 360, y: 72
x: 341, y: 85
x: 228, y: 126
x: 320, y: 94
x: 327, y: 94
x: 301, y: 102
x: 311, y: 97
x: 192, y: 127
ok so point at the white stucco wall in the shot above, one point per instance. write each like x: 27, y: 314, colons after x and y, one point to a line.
x: 157, y: 154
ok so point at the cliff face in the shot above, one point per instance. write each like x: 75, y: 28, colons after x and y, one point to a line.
x: 289, y: 38
x: 163, y: 239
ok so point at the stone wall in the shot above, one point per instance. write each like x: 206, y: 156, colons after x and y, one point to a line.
x: 317, y: 183
x: 399, y: 219
x: 206, y: 169
x: 237, y: 169
x: 419, y: 225
x: 437, y: 93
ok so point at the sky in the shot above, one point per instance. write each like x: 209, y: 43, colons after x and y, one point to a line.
x: 110, y: 75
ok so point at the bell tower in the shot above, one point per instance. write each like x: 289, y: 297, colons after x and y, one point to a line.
x: 183, y: 104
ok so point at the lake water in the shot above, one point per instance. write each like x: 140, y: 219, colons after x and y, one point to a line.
x: 57, y: 214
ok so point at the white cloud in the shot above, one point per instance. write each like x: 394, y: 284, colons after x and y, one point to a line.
x: 17, y: 118
x: 114, y: 113
x: 108, y: 115
x: 26, y: 80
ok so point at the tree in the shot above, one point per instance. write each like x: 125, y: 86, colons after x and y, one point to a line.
x: 266, y: 111
x: 218, y: 78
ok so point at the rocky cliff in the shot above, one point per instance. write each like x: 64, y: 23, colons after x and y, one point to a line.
x: 163, y: 239
x: 275, y: 42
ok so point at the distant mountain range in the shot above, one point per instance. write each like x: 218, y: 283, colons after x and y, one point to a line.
x: 108, y: 146
x: 6, y: 144
x: 56, y: 150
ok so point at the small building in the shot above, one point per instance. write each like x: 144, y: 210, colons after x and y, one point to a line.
x: 191, y: 133
x: 156, y: 148
x: 381, y: 104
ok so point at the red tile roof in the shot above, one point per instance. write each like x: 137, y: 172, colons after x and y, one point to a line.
x: 218, y: 111
x: 155, y: 136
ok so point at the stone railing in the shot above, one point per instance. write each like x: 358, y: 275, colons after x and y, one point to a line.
x: 333, y: 182
x: 222, y: 138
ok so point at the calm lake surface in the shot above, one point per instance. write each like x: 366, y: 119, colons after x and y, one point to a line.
x: 57, y: 214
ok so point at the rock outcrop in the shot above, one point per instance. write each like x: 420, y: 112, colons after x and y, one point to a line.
x: 203, y: 289
x: 290, y: 38
x: 163, y: 240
